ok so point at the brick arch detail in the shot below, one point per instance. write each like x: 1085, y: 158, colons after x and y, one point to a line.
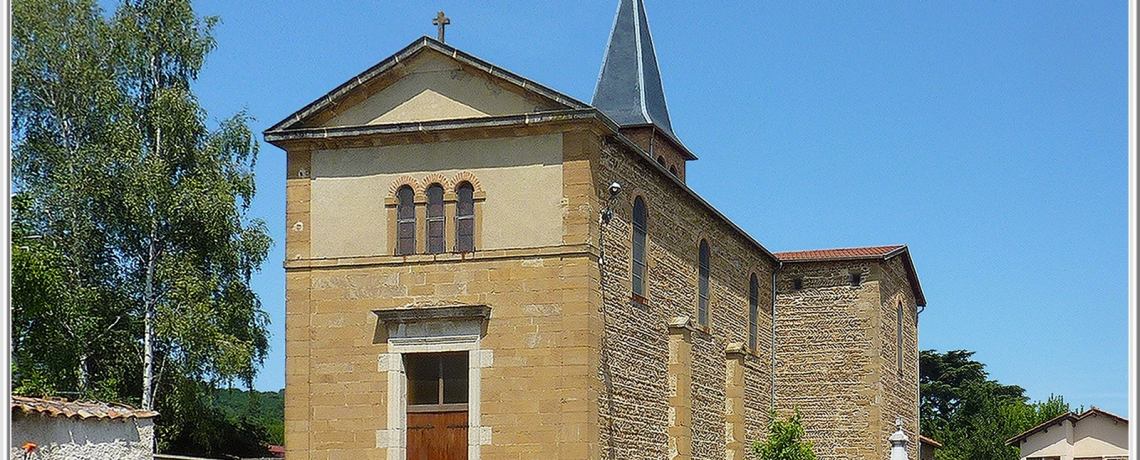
x: 405, y: 180
x: 466, y: 176
x: 437, y: 178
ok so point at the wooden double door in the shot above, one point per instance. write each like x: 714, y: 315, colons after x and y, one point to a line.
x: 437, y: 406
x: 437, y: 435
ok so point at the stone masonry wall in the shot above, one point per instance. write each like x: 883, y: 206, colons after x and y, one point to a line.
x: 900, y: 388
x: 536, y: 396
x: 836, y: 355
x: 634, y: 410
x: 827, y: 348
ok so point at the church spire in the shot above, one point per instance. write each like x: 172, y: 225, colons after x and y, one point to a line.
x: 629, y: 87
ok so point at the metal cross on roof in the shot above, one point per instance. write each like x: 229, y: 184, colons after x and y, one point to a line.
x: 441, y: 21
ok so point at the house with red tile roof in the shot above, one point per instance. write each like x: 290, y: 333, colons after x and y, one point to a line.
x: 1091, y: 435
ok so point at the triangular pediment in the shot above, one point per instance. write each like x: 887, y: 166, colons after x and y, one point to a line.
x: 427, y: 81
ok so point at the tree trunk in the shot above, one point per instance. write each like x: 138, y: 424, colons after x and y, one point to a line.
x: 148, y: 328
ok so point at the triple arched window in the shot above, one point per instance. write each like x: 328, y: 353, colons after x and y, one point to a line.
x: 441, y: 210
x: 640, y: 235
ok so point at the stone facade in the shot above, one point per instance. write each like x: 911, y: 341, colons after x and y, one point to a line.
x: 567, y: 362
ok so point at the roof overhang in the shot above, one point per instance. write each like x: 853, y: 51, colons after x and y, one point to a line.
x: 1071, y: 417
x: 382, y: 133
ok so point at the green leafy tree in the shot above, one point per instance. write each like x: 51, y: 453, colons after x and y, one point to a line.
x: 973, y: 416
x: 132, y: 249
x: 785, y: 440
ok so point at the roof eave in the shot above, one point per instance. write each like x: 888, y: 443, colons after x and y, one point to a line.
x: 1039, y: 427
x: 281, y: 136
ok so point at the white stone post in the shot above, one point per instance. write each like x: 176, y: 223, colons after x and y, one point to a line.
x: 898, y: 441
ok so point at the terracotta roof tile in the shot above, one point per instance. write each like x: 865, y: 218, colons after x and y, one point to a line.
x: 842, y: 253
x: 59, y: 407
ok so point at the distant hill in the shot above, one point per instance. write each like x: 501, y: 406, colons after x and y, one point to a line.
x: 264, y: 408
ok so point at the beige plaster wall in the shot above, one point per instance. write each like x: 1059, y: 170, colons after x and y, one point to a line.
x: 436, y: 88
x: 1051, y: 442
x: 1098, y: 435
x: 522, y: 179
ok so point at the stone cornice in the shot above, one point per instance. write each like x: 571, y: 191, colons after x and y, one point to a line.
x: 367, y: 261
x: 438, y: 130
x: 406, y: 315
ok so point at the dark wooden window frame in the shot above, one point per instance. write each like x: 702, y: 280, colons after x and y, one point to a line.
x: 440, y: 406
x: 703, y: 270
x: 753, y: 311
x: 435, y: 221
x: 465, y: 217
x: 900, y: 336
x: 640, y: 248
x: 405, y: 221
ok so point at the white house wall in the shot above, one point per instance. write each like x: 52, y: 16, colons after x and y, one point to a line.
x: 65, y: 438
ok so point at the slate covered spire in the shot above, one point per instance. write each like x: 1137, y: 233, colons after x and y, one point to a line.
x: 629, y: 87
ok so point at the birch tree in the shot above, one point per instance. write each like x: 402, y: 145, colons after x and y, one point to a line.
x: 145, y: 203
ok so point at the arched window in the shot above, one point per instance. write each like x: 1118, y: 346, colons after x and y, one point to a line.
x: 703, y: 285
x: 465, y: 218
x: 661, y: 161
x: 405, y: 221
x: 673, y: 170
x: 753, y: 310
x: 640, y: 215
x: 436, y: 243
x: 899, y: 314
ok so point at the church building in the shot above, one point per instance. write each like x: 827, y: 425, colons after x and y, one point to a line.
x: 481, y: 267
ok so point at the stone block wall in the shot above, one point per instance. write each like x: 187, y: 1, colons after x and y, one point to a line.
x: 537, y: 396
x: 836, y: 355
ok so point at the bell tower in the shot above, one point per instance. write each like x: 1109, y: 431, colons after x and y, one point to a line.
x: 629, y: 90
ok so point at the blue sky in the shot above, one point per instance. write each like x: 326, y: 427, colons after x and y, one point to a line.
x: 990, y: 137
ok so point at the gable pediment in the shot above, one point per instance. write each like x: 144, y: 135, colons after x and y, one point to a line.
x: 427, y: 81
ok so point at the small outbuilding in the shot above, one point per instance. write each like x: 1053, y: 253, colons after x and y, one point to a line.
x: 926, y: 448
x: 55, y: 428
x: 1094, y: 434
